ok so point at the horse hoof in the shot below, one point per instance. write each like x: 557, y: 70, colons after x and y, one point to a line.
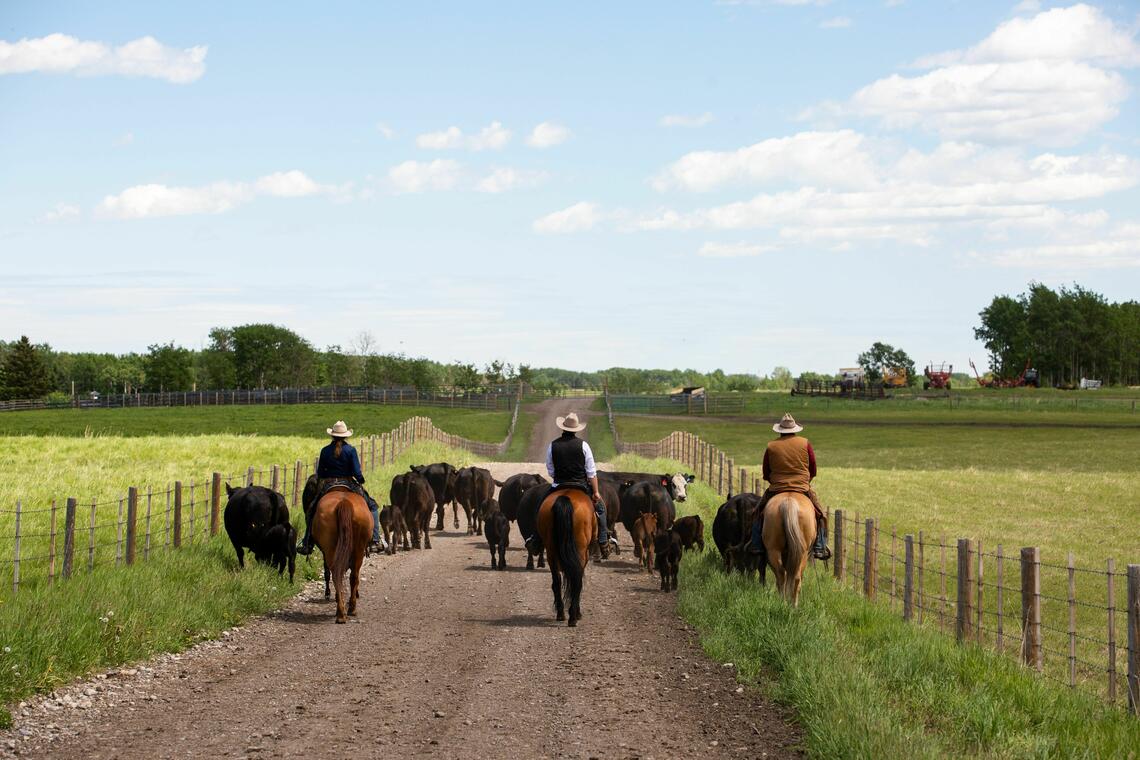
x: 341, y: 620
x: 572, y: 622
x: 560, y: 617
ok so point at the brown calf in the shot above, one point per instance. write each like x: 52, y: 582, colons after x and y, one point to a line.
x: 643, y: 529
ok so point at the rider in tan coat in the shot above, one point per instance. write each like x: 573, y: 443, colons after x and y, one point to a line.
x: 789, y: 465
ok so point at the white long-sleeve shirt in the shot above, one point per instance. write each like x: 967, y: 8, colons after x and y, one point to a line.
x: 591, y: 468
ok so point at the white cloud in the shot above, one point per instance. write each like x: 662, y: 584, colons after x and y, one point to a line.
x: 548, y: 134
x: 1119, y: 248
x: 1046, y: 79
x: 681, y: 120
x: 836, y: 22
x: 125, y: 139
x: 830, y: 158
x: 580, y: 217
x: 61, y: 213
x: 732, y: 250
x: 155, y: 200
x: 144, y: 57
x: 503, y: 179
x: 494, y: 136
x: 419, y: 176
x: 1027, y: 6
x: 385, y: 131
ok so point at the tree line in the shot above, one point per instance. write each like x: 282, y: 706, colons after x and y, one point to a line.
x: 1067, y: 334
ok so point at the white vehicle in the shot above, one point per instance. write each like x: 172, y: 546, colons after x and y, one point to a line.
x: 1089, y: 385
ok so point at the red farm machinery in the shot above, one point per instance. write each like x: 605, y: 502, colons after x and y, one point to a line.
x: 937, y: 378
x: 1028, y: 377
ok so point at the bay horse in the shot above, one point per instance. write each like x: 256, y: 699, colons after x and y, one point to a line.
x: 342, y: 528
x: 567, y: 525
x: 789, y: 531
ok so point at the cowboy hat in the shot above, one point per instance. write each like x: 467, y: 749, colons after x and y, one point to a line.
x: 787, y: 424
x: 570, y: 423
x: 339, y: 430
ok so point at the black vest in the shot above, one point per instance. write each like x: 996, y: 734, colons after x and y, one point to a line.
x: 569, y: 459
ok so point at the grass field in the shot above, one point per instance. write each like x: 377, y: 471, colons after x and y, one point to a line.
x: 304, y: 420
x: 866, y: 684
x: 113, y: 615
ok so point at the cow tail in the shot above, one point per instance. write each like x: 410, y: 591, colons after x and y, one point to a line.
x: 562, y: 529
x: 343, y: 555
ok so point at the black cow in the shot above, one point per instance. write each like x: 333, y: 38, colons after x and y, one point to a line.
x: 646, y: 496
x: 667, y: 547
x: 258, y: 518
x: 612, y: 498
x: 394, y: 527
x: 473, y: 486
x: 691, y: 531
x: 441, y: 477
x: 412, y: 493
x: 528, y: 520
x: 513, y: 488
x: 497, y: 529
x: 733, y: 524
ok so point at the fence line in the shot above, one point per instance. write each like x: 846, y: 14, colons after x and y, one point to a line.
x: 128, y: 533
x: 1061, y: 620
x: 501, y: 398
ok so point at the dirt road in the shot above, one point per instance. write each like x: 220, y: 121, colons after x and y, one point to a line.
x: 447, y: 659
x: 548, y: 411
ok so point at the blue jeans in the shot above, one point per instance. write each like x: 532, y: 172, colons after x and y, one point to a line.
x: 600, y: 510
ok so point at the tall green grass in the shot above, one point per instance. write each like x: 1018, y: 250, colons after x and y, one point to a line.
x: 866, y: 684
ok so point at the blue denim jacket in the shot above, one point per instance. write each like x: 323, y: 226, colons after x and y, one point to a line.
x: 347, y: 465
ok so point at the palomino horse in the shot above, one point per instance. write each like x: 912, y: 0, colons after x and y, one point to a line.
x: 789, y: 531
x: 567, y: 525
x: 342, y: 527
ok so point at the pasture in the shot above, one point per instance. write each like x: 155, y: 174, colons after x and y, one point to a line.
x: 866, y: 684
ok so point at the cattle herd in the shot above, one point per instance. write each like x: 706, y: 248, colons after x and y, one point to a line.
x: 642, y: 503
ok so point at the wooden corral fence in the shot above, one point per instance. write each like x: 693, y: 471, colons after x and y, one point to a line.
x: 703, y: 404
x: 79, y: 535
x: 501, y: 398
x: 1074, y: 624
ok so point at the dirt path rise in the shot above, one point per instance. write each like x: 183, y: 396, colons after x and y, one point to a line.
x: 447, y: 659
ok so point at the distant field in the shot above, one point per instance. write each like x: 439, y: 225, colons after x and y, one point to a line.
x: 307, y: 420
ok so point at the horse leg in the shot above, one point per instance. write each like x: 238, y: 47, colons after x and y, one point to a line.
x: 355, y: 594
x: 327, y: 574
x: 338, y: 583
x: 556, y: 587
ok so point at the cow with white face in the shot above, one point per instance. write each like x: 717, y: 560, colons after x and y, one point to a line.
x: 675, y: 484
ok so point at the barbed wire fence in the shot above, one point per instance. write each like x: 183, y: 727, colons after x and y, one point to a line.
x: 1078, y: 626
x: 53, y: 542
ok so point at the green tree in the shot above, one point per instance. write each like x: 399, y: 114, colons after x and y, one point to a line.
x: 341, y: 369
x: 24, y: 373
x: 216, y: 365
x: 465, y: 377
x: 168, y: 368
x: 881, y: 357
x: 269, y: 356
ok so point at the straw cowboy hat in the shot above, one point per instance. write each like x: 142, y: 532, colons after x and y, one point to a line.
x: 787, y: 424
x: 570, y: 423
x: 339, y: 430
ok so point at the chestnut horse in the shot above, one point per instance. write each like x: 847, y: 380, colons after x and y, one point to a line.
x: 789, y: 531
x: 567, y: 525
x: 342, y: 528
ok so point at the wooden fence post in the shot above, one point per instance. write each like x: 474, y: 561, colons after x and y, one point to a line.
x: 16, y: 553
x: 965, y: 590
x: 249, y: 476
x: 908, y: 578
x: 69, y: 536
x: 1111, y: 631
x: 91, y: 539
x: 297, y: 483
x: 177, y: 514
x: 1031, y: 607
x: 275, y: 479
x: 743, y: 481
x: 1134, y: 638
x: 51, y: 546
x: 1072, y: 622
x: 840, y: 554
x: 132, y: 524
x: 720, y: 474
x: 216, y: 500
x: 870, y: 559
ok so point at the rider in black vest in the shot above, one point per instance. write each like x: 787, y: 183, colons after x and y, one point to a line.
x: 570, y: 464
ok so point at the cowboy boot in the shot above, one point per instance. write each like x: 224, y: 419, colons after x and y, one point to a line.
x: 819, y: 550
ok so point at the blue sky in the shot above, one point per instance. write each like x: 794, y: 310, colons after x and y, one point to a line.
x: 738, y: 184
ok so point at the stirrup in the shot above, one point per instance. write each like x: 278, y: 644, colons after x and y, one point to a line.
x: 822, y: 552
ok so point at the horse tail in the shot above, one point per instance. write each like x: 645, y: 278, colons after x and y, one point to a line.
x: 562, y: 529
x: 343, y: 555
x: 794, y: 544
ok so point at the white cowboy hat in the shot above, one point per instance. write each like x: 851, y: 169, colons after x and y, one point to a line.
x: 339, y: 430
x: 787, y: 424
x: 570, y: 423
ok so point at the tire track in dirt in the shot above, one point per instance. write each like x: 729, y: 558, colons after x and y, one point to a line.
x: 447, y: 659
